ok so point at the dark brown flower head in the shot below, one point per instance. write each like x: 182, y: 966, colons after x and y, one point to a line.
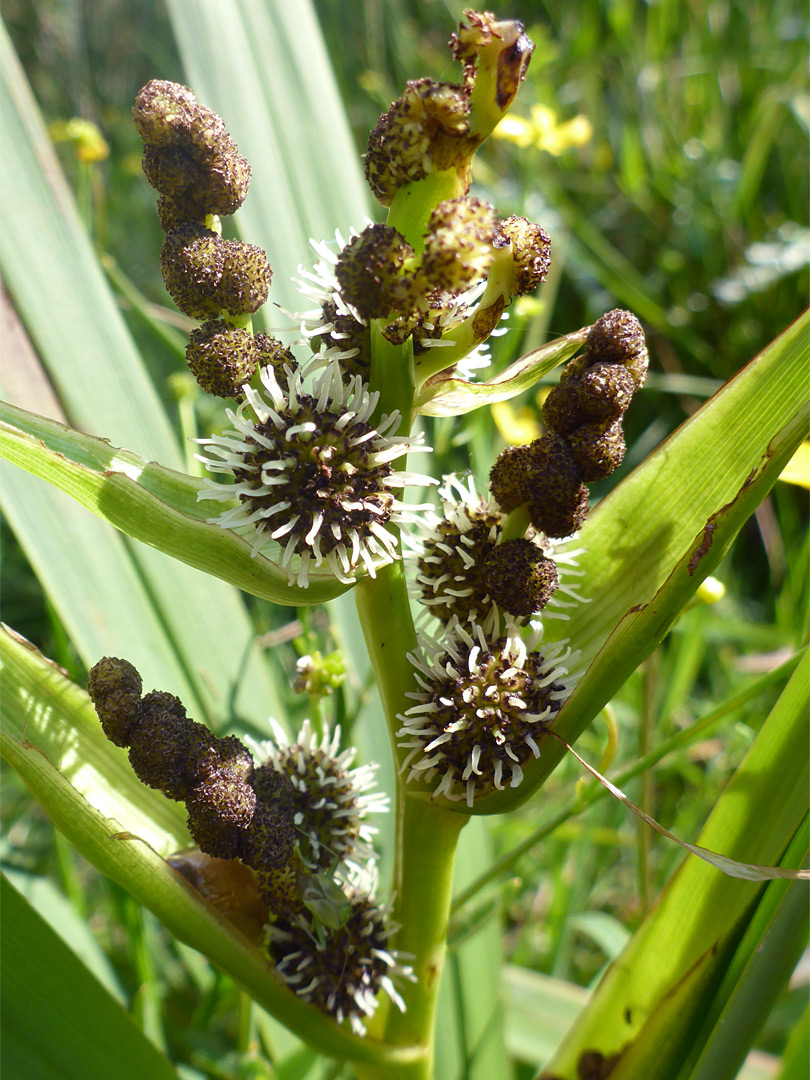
x: 598, y: 449
x: 343, y: 974
x: 166, y: 744
x: 313, y: 474
x: 345, y: 334
x: 531, y: 252
x: 222, y: 358
x: 481, y: 709
x: 521, y: 578
x: 171, y: 216
x: 458, y: 245
x: 188, y: 156
x: 422, y: 132
x: 115, y: 687
x: 543, y: 476
x: 508, y: 478
x: 328, y: 799
x: 617, y: 338
x: 599, y: 393
x: 369, y: 271
x: 192, y: 259
x: 246, y: 277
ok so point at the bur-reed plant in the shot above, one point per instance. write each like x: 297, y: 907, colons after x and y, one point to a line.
x: 313, y: 450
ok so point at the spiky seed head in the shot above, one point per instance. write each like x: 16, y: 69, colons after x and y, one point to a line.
x: 222, y: 358
x: 115, y: 687
x: 343, y: 975
x: 329, y: 799
x: 369, y: 271
x: 271, y: 353
x: 531, y: 252
x: 458, y: 245
x: 423, y: 131
x: 521, y: 578
x: 598, y: 449
x: 450, y: 573
x: 313, y: 474
x: 481, y: 708
x: 617, y: 338
x: 280, y: 888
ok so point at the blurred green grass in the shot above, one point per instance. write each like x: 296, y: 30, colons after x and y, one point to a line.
x: 687, y: 205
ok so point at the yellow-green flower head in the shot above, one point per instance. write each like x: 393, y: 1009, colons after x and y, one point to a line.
x: 617, y: 338
x: 495, y: 54
x: 222, y: 358
x: 341, y: 970
x: 189, y: 157
x: 313, y: 474
x: 482, y: 707
x: 458, y: 245
x: 531, y: 252
x: 423, y: 131
x: 369, y: 272
x: 206, y: 275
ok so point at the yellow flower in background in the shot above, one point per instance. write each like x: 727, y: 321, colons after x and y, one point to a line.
x: 797, y: 470
x: 89, y: 145
x: 542, y: 130
x: 517, y: 426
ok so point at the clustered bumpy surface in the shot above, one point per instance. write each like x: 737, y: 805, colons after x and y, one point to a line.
x: 434, y: 296
x: 584, y: 439
x: 192, y: 161
x: 297, y: 820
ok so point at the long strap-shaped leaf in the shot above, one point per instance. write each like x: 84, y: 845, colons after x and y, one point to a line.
x: 148, y: 502
x: 51, y: 736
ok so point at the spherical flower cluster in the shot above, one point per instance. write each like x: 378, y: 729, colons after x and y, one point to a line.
x: 467, y: 570
x: 343, y: 969
x: 312, y: 473
x: 331, y: 799
x: 482, y: 707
